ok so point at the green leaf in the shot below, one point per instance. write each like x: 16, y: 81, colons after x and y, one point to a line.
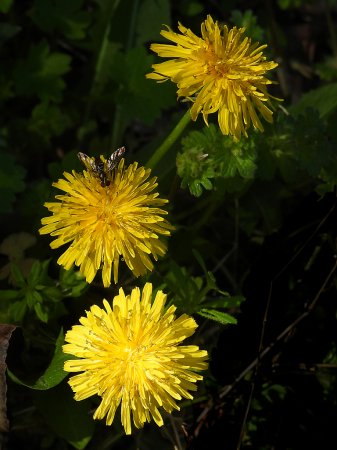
x: 7, y: 31
x: 54, y: 373
x: 5, y: 5
x: 62, y: 15
x: 37, y: 296
x: 324, y: 99
x: 40, y: 73
x: 200, y: 261
x: 42, y: 312
x: 35, y: 273
x: 33, y: 199
x: 180, y: 278
x: 230, y: 302
x: 18, y: 310
x: 44, y: 278
x: 51, y: 293
x: 30, y: 299
x: 195, y: 167
x: 218, y: 316
x: 156, y: 13
x: 210, y: 154
x: 312, y: 146
x: 9, y: 294
x: 17, y: 274
x: 191, y: 7
x: 138, y: 97
x: 68, y: 418
x: 79, y: 290
x: 47, y: 121
x: 327, y: 69
x: 248, y: 21
x: 239, y: 157
x: 11, y: 181
x: 72, y: 284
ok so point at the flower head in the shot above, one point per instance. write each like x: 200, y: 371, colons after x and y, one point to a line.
x: 225, y: 71
x: 108, y: 222
x: 130, y: 354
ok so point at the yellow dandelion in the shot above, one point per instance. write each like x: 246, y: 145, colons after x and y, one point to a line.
x: 108, y: 220
x: 131, y: 355
x: 224, y: 71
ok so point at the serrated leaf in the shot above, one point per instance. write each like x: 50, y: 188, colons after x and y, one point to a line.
x: 230, y: 302
x: 324, y: 99
x: 217, y: 316
x: 236, y: 160
x: 62, y: 15
x: 249, y: 21
x: 206, y: 183
x: 47, y: 121
x: 137, y: 96
x: 154, y: 12
x: 54, y: 373
x: 40, y: 73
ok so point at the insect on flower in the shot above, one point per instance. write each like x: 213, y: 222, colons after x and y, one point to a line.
x: 100, y: 169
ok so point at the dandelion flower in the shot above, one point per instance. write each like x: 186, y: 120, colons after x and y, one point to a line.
x: 130, y: 354
x: 225, y: 71
x: 108, y: 222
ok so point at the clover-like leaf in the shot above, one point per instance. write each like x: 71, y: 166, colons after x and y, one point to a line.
x: 47, y: 121
x: 137, y: 96
x: 41, y: 72
x: 63, y: 15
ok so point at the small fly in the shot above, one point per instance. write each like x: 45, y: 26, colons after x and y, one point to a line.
x: 98, y: 168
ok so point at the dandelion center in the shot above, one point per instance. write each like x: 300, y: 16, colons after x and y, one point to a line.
x: 224, y: 71
x: 108, y: 223
x: 131, y: 355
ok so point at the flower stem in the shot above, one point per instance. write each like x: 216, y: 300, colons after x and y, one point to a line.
x: 169, y: 141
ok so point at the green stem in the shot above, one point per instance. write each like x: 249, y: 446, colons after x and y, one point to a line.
x: 169, y: 141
